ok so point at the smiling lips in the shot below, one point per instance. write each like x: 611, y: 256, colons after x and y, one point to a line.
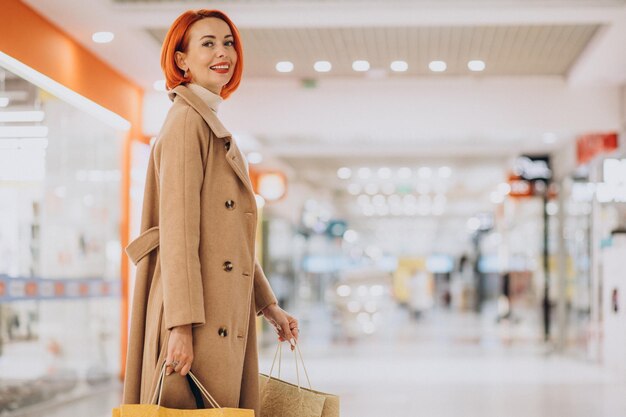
x: 221, y: 68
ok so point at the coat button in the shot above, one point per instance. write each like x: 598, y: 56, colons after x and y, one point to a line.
x: 228, y: 266
x: 227, y: 145
x: 230, y: 204
x: 223, y: 332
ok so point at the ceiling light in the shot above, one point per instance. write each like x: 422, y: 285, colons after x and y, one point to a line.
x: 424, y: 172
x: 21, y: 116
x: 409, y: 199
x: 476, y: 65
x: 350, y: 236
x: 363, y: 200
x: 102, y: 37
x: 360, y: 66
x: 444, y: 172
x: 437, y: 66
x: 389, y: 188
x: 23, y: 131
x: 369, y: 210
x: 405, y: 173
x: 272, y: 186
x: 504, y: 188
x: 159, y: 86
x: 4, y: 101
x: 549, y: 138
x: 384, y: 173
x: 284, y: 66
x: 344, y: 173
x: 354, y: 188
x: 379, y: 200
x: 364, y: 173
x: 371, y: 189
x: 423, y: 188
x: 394, y: 200
x: 322, y: 66
x: 399, y: 66
x: 254, y: 158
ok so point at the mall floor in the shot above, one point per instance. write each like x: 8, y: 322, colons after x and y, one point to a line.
x: 440, y: 365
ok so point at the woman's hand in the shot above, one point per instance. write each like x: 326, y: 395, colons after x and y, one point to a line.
x: 179, y: 350
x: 286, y: 326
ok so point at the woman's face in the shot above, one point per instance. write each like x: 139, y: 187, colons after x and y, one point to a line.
x: 210, y: 58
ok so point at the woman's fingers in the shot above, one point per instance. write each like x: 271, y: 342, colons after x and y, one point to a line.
x: 185, y: 369
x: 293, y: 326
x: 287, y: 335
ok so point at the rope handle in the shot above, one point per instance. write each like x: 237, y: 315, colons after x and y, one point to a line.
x: 158, y: 392
x: 297, y: 351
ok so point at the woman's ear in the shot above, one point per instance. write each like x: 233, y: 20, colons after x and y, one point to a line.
x: 181, y: 61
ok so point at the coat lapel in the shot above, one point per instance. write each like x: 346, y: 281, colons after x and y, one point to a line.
x: 233, y: 156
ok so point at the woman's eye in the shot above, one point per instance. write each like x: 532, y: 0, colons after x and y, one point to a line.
x: 229, y: 43
x: 207, y: 44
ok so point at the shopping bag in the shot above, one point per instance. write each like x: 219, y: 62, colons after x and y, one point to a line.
x: 156, y: 410
x: 283, y: 399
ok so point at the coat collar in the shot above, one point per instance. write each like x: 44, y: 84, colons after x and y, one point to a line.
x: 233, y: 155
x: 201, y: 107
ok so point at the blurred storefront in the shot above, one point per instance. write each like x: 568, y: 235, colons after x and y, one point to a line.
x: 63, y: 213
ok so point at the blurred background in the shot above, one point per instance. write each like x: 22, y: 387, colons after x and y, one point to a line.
x: 442, y: 187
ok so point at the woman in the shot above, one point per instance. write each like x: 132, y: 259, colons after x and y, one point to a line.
x: 198, y: 285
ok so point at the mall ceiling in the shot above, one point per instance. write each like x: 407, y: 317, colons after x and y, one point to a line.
x: 572, y: 41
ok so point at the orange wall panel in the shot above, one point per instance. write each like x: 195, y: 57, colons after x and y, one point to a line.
x: 31, y: 39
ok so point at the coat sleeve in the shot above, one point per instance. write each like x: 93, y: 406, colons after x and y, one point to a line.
x: 263, y: 294
x: 181, y: 174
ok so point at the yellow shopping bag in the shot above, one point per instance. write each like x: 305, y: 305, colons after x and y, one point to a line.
x: 283, y: 399
x: 155, y: 409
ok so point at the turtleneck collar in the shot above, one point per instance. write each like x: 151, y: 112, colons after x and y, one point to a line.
x: 208, y: 97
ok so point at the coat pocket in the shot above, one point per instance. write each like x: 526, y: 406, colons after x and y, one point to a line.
x: 143, y: 244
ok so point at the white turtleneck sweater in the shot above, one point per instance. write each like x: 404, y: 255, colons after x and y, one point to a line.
x: 209, y: 97
x: 213, y: 101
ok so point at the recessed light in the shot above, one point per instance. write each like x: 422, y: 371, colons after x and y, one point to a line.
x: 360, y: 66
x: 284, y: 66
x: 384, y: 173
x: 437, y: 66
x: 399, y: 66
x: 476, y: 65
x: 424, y: 172
x: 405, y: 173
x: 322, y: 66
x: 354, y: 188
x: 344, y: 173
x: 549, y: 138
x: 22, y: 116
x: 102, y: 37
x: 23, y: 131
x: 444, y: 172
x: 364, y: 173
x: 159, y: 86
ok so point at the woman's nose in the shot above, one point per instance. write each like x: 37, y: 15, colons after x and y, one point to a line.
x: 220, y: 51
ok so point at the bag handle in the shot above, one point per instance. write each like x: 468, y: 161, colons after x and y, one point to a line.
x: 296, y: 352
x: 158, y: 392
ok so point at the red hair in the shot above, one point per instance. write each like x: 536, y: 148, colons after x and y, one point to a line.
x: 177, y: 39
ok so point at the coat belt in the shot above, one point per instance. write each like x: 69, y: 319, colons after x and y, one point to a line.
x: 143, y: 244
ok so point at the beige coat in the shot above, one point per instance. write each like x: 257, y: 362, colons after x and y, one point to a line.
x: 196, y: 263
